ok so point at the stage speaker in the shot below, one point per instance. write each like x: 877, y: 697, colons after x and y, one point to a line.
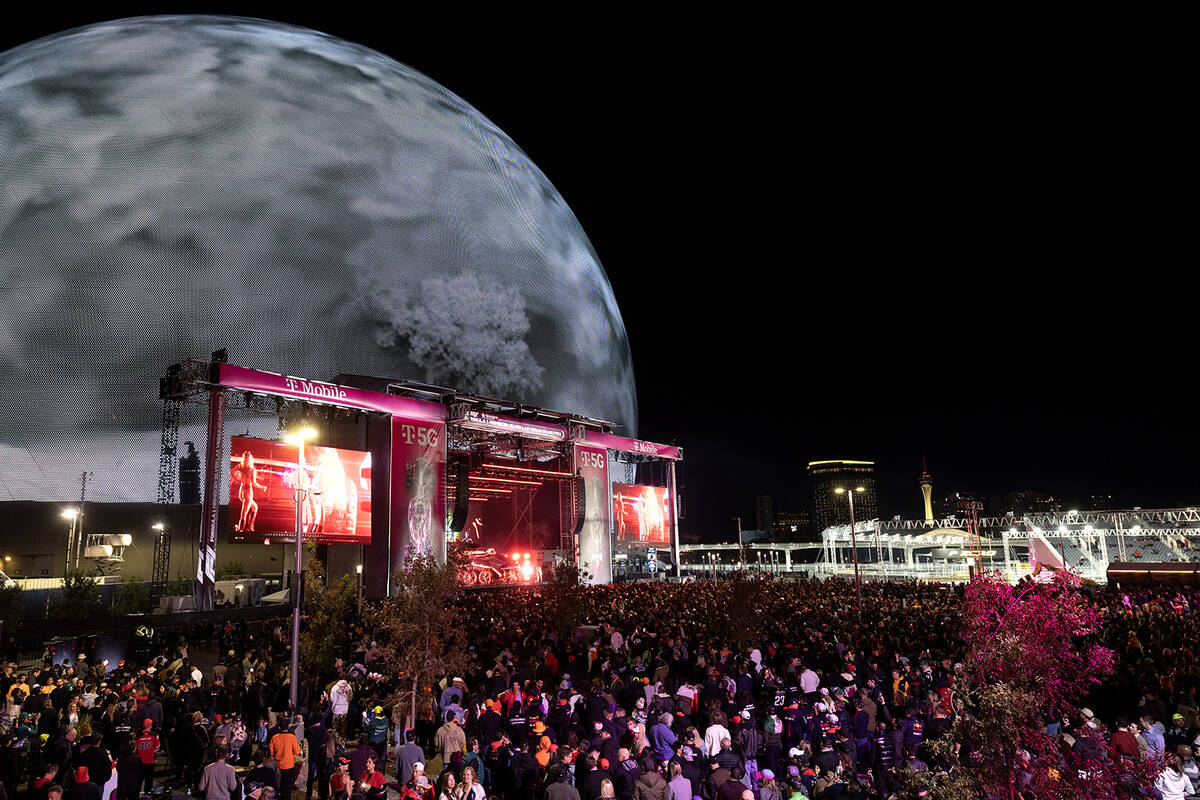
x: 189, y: 476
x: 462, y: 498
x: 580, y: 505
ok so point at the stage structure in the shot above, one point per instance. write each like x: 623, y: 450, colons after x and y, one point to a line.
x: 399, y: 467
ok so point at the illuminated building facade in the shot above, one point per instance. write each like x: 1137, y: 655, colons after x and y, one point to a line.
x: 833, y: 509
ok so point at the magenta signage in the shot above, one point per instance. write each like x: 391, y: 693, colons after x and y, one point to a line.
x: 235, y: 377
x: 418, y: 489
x: 631, y: 445
x: 595, y: 544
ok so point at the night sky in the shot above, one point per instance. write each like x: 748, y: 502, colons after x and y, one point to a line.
x: 850, y: 243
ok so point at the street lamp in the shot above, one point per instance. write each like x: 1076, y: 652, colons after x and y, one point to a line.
x: 73, y: 515
x: 853, y: 541
x: 358, y: 569
x: 298, y: 438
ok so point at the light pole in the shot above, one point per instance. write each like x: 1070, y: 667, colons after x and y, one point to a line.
x: 358, y: 569
x: 73, y: 515
x: 853, y: 541
x: 741, y: 552
x: 298, y: 438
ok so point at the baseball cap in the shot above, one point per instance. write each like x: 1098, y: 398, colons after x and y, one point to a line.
x: 767, y: 775
x: 378, y: 709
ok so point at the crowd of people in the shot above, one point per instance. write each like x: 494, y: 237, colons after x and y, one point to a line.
x: 658, y: 692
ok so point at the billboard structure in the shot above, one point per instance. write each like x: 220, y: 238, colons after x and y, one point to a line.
x: 336, y: 501
x: 527, y: 479
x: 642, y: 514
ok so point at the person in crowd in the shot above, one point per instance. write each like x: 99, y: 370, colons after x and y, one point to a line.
x: 1173, y: 783
x: 285, y: 749
x: 219, y: 780
x: 341, y: 785
x: 372, y: 783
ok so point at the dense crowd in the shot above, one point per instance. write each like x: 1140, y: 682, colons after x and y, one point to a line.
x: 663, y: 692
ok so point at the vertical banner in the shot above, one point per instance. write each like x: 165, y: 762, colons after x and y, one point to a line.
x: 595, y: 545
x: 206, y: 566
x: 418, y: 489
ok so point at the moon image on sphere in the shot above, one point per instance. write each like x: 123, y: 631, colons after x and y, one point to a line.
x: 174, y: 185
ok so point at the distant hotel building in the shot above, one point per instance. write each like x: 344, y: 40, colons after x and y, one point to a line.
x: 792, y: 525
x: 833, y: 509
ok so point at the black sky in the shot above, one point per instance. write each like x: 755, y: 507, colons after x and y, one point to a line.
x: 884, y: 239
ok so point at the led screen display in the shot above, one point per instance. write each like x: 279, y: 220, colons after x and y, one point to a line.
x: 336, y: 499
x: 641, y: 514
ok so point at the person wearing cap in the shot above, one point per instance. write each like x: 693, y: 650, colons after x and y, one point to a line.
x: 418, y: 786
x: 767, y: 788
x: 146, y: 746
x: 340, y: 782
x: 1177, y: 734
x: 375, y: 723
x: 82, y: 788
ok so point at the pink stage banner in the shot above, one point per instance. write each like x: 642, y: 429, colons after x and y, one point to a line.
x: 235, y: 377
x: 418, y: 489
x: 595, y: 542
x: 612, y: 442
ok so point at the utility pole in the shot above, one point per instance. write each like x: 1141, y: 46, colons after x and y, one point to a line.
x: 79, y: 537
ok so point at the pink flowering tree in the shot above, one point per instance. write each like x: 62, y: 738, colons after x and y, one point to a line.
x: 1032, y: 652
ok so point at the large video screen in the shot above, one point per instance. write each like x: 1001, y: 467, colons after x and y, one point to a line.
x: 336, y: 504
x: 641, y: 514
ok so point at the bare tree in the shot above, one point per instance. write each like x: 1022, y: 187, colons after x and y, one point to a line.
x: 419, y: 638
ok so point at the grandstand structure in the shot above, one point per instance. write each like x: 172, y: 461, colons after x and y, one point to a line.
x: 1094, y: 544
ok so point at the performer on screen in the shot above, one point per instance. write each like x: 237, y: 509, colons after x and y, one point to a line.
x: 247, y: 477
